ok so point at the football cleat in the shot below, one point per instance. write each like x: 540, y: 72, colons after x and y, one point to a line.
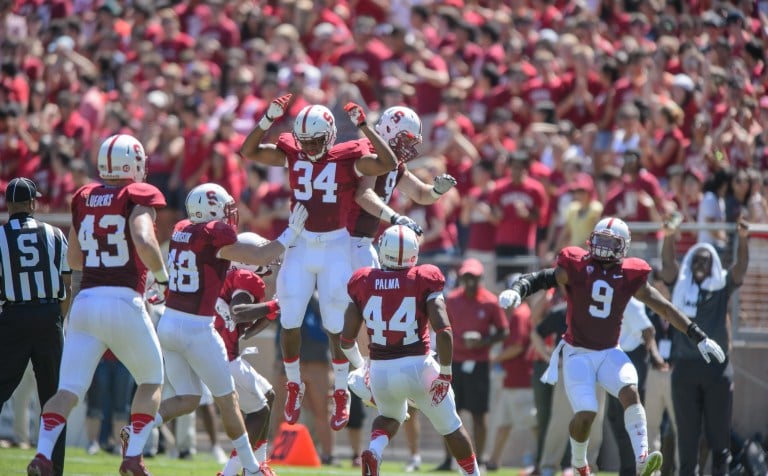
x: 293, y: 402
x: 266, y: 470
x: 371, y: 463
x: 40, y: 466
x: 133, y: 466
x: 583, y: 471
x: 648, y: 464
x: 340, y: 416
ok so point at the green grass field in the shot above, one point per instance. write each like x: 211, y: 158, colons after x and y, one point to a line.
x: 78, y: 463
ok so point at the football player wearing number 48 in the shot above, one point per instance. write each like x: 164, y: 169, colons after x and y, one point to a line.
x: 598, y: 284
x: 324, y: 178
x: 398, y: 303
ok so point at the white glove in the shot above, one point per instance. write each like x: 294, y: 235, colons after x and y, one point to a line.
x: 708, y: 346
x: 296, y: 222
x: 275, y: 111
x: 509, y: 298
x: 222, y: 309
x: 403, y: 220
x: 443, y: 183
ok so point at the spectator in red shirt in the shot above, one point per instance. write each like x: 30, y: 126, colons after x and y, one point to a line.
x: 477, y: 322
x: 363, y: 60
x: 72, y: 125
x: 220, y: 26
x: 668, y: 145
x: 476, y: 216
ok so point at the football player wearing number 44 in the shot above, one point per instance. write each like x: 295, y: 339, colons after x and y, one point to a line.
x: 599, y: 284
x: 324, y: 178
x: 397, y: 303
x: 113, y: 242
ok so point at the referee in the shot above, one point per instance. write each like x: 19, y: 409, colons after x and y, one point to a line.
x: 34, y: 276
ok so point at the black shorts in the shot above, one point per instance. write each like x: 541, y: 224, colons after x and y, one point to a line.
x: 472, y: 389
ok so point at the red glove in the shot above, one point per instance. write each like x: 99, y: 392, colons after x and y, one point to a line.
x: 356, y: 113
x: 274, y: 310
x: 440, y: 388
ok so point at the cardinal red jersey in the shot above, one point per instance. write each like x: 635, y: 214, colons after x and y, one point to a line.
x: 100, y: 217
x: 237, y: 280
x: 597, y: 296
x: 196, y: 274
x: 394, y: 306
x: 327, y: 186
x: 360, y: 222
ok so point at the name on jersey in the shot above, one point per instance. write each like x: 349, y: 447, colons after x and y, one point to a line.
x: 387, y: 283
x: 512, y: 197
x: 181, y: 236
x: 99, y: 200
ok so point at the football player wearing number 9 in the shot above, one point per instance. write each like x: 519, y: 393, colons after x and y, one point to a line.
x: 397, y: 303
x: 113, y: 242
x: 598, y: 284
x: 199, y: 256
x: 325, y: 178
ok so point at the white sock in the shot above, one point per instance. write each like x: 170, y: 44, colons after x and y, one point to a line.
x: 140, y: 428
x: 233, y: 467
x: 579, y: 453
x: 340, y: 374
x: 158, y: 420
x: 379, y: 441
x: 261, y: 451
x: 293, y: 371
x: 637, y: 429
x: 245, y: 453
x: 51, y: 426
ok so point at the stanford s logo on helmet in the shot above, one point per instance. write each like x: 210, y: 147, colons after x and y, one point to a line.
x: 315, y: 131
x: 609, y: 240
x: 398, y: 247
x: 208, y: 202
x: 122, y: 157
x: 401, y: 128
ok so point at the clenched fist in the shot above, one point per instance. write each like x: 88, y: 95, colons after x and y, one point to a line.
x: 443, y: 183
x: 275, y: 111
x: 356, y: 113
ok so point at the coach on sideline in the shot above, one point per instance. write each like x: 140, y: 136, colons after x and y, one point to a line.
x: 34, y: 276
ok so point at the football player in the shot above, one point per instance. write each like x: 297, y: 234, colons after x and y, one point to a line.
x: 243, y: 286
x: 324, y: 177
x: 113, y: 242
x: 401, y: 128
x: 599, y: 283
x: 397, y: 304
x: 199, y: 256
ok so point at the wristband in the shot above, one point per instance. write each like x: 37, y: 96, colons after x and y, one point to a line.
x: 354, y: 356
x: 387, y: 214
x: 161, y: 276
x: 265, y: 123
x: 695, y: 333
x: 364, y: 123
x: 446, y: 370
x: 287, y: 238
x: 272, y: 307
x: 435, y: 194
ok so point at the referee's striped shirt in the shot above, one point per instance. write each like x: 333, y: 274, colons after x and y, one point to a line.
x: 33, y: 257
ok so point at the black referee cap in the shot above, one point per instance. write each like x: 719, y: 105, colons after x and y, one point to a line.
x: 21, y: 189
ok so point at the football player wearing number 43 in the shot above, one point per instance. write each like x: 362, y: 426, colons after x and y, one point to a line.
x: 199, y: 256
x: 397, y: 303
x: 599, y: 284
x: 324, y: 178
x: 113, y: 242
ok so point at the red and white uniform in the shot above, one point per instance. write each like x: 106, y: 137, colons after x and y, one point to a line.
x: 192, y: 348
x: 109, y: 312
x: 363, y: 227
x: 250, y: 385
x: 597, y: 296
x: 394, y: 306
x: 321, y: 255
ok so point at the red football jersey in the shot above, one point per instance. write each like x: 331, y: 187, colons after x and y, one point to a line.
x: 394, y: 306
x: 196, y: 273
x: 597, y: 296
x: 237, y: 280
x: 362, y: 223
x: 326, y: 187
x: 100, y: 217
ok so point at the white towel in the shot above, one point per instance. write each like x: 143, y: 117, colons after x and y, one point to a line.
x: 685, y: 296
x: 550, y: 375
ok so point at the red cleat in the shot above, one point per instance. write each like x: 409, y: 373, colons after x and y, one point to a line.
x: 583, y: 471
x: 340, y: 416
x: 40, y: 466
x: 293, y: 402
x: 133, y: 466
x: 266, y: 470
x: 370, y: 462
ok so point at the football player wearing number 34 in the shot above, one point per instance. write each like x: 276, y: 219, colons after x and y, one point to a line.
x: 398, y: 303
x: 598, y: 284
x: 113, y: 242
x: 324, y: 178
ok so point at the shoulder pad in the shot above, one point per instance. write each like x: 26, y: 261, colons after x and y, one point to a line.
x: 145, y: 194
x: 570, y: 255
x: 432, y: 274
x: 287, y: 143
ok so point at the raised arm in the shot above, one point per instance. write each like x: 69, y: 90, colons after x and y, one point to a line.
x: 267, y: 154
x: 532, y: 283
x: 739, y: 267
x: 384, y: 159
x: 669, y: 265
x: 423, y: 193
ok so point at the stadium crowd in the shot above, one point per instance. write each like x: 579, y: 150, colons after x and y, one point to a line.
x: 549, y: 113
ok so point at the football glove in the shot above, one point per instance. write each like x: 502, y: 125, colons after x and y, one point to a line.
x: 356, y: 114
x: 440, y: 388
x: 509, y: 298
x: 403, y: 220
x: 443, y: 183
x: 708, y: 346
x: 222, y: 309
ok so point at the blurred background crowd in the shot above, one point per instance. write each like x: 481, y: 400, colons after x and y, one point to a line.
x: 549, y: 113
